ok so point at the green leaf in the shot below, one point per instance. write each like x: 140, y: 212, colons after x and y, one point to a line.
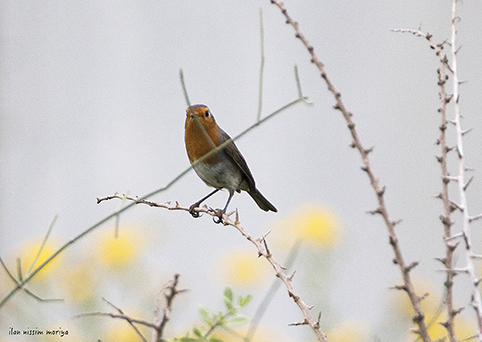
x: 206, y: 315
x: 243, y: 301
x: 236, y: 321
x: 214, y: 339
x: 228, y: 294
x: 186, y: 339
x: 197, y: 332
x: 229, y: 305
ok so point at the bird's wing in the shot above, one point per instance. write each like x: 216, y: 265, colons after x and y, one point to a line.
x: 235, y: 155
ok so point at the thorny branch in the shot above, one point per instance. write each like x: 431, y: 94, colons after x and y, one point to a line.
x: 169, y: 292
x: 476, y: 301
x: 415, y: 300
x: 448, y: 207
x: 261, y: 245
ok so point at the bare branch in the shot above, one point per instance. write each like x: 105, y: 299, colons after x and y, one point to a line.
x: 261, y: 245
x: 168, y: 292
x: 379, y: 191
x: 476, y: 300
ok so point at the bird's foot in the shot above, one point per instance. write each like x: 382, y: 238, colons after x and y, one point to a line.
x: 194, y: 213
x: 218, y: 218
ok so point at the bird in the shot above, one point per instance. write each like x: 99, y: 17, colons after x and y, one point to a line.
x: 226, y: 169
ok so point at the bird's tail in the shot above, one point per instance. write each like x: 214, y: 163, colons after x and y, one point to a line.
x: 261, y: 201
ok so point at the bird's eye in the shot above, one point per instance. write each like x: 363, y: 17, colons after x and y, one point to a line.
x: 207, y: 113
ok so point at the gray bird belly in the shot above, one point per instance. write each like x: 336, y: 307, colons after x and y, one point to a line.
x: 220, y: 175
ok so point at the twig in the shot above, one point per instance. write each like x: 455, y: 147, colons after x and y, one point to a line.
x: 445, y: 218
x: 168, y: 292
x: 119, y: 316
x: 261, y: 245
x: 184, y: 90
x: 271, y: 292
x: 476, y: 301
x: 419, y: 317
x: 26, y: 279
x: 17, y: 282
x: 44, y: 241
x: 261, y: 67
x: 129, y: 321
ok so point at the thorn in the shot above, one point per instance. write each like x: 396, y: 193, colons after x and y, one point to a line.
x: 374, y: 212
x: 452, y: 247
x: 411, y: 267
x: 304, y: 322
x: 396, y: 222
x: 457, y: 206
x: 476, y: 256
x: 381, y: 192
x: 458, y: 49
x: 177, y: 204
x: 393, y: 241
x: 466, y: 131
x: 292, y: 275
x: 475, y: 218
x: 317, y: 325
x: 425, y: 295
x: 468, y: 183
x: 268, y: 253
x: 237, y: 222
x: 445, y: 220
x: 368, y: 150
x: 399, y: 287
x: 450, y: 178
x: 455, y: 236
x: 456, y: 312
x: 442, y: 260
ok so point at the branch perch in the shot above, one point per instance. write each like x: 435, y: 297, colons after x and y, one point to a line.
x: 260, y: 244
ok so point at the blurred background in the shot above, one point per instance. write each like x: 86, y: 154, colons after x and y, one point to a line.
x: 91, y: 104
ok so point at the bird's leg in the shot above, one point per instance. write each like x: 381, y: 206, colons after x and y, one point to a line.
x: 219, y: 213
x: 196, y: 205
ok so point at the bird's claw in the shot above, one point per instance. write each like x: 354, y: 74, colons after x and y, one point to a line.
x: 218, y: 218
x: 194, y: 213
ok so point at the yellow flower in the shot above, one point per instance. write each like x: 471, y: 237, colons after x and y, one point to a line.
x: 349, y: 331
x: 317, y: 225
x: 28, y: 253
x: 120, y: 252
x: 464, y: 328
x: 242, y: 267
x: 79, y: 282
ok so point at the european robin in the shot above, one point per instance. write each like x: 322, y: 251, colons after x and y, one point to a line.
x: 226, y: 169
